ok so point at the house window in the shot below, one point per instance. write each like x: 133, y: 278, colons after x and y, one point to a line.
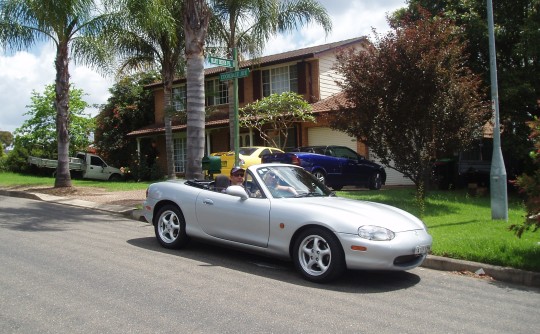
x: 216, y: 92
x: 280, y: 79
x: 179, y: 101
x: 180, y: 155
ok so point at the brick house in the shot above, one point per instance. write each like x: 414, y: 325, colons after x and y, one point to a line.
x: 307, y: 71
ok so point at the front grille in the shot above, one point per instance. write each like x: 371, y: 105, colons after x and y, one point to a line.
x: 408, y: 260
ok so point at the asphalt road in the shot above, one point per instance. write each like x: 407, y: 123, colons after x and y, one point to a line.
x: 74, y: 270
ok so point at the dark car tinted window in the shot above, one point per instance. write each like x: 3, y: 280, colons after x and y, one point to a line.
x: 344, y: 152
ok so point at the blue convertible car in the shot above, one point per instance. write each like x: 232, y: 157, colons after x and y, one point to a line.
x: 335, y: 166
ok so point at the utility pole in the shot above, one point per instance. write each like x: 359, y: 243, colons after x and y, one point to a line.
x: 499, y: 196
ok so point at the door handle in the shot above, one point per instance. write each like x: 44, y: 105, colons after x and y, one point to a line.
x: 208, y: 201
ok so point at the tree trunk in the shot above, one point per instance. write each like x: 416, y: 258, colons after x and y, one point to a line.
x: 196, y: 18
x: 61, y: 103
x: 169, y: 145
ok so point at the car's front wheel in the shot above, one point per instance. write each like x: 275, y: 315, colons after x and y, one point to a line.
x: 170, y: 227
x: 318, y: 255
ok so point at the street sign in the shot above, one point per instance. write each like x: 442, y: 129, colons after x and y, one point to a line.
x: 221, y: 61
x: 233, y: 75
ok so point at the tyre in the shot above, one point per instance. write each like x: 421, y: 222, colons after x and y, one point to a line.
x: 318, y: 255
x: 320, y: 176
x: 337, y: 188
x: 170, y: 227
x: 375, y: 183
x: 115, y: 178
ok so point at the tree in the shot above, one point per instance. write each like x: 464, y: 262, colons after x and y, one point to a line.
x: 248, y: 24
x: 71, y: 26
x: 413, y: 97
x: 277, y: 112
x: 129, y: 108
x: 150, y: 36
x: 38, y: 132
x: 196, y: 19
x: 6, y: 138
x: 517, y: 32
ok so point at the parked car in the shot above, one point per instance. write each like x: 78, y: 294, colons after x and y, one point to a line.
x: 321, y: 233
x: 86, y: 165
x: 247, y: 156
x: 335, y: 166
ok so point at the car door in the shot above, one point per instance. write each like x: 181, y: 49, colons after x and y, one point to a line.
x: 231, y: 218
x: 96, y: 169
x: 355, y: 168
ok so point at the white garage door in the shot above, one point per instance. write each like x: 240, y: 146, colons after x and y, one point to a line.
x: 327, y: 136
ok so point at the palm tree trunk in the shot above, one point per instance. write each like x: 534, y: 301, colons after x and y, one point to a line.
x: 167, y: 119
x: 196, y: 18
x: 63, y: 178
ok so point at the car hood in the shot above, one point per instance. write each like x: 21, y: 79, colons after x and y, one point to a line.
x: 354, y: 213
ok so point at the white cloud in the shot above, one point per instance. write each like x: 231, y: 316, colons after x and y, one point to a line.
x: 23, y: 72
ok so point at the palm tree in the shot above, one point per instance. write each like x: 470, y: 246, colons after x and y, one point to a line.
x: 72, y: 26
x: 196, y: 19
x: 248, y: 24
x: 152, y: 38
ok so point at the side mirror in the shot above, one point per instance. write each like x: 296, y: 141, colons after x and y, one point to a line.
x: 237, y: 191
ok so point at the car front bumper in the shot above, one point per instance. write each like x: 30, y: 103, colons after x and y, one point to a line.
x: 406, y: 251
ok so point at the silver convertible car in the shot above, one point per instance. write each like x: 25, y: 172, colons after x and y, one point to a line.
x: 283, y: 211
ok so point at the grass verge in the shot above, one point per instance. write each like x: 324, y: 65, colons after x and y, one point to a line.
x: 13, y: 179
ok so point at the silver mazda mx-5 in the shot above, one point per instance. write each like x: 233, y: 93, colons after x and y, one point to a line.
x: 283, y: 211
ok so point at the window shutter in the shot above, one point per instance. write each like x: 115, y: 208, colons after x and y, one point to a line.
x: 241, y: 90
x: 257, y: 91
x: 301, y: 72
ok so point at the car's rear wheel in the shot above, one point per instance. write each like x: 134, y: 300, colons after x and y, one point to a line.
x: 318, y: 255
x: 375, y: 183
x: 170, y: 227
x: 320, y: 176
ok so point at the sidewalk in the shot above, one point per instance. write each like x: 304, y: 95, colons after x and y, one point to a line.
x: 480, y: 270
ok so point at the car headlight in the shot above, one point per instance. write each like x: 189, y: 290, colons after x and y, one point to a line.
x: 376, y: 233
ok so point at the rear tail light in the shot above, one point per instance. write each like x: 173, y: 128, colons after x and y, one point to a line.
x: 295, y: 160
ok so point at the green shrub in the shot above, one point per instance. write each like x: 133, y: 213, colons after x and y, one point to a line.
x: 530, y: 186
x: 17, y: 160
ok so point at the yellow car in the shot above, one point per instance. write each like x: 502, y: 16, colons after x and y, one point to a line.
x: 247, y: 156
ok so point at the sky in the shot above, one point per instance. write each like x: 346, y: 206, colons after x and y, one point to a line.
x: 23, y: 72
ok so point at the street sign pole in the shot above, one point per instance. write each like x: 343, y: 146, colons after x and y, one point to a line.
x: 236, y: 126
x: 499, y: 196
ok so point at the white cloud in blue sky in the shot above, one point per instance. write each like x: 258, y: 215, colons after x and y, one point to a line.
x: 22, y: 72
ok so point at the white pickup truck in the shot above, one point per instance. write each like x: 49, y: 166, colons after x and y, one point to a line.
x: 89, y: 165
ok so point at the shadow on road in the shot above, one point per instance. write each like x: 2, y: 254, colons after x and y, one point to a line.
x: 354, y: 281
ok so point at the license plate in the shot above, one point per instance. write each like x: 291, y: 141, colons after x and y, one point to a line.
x: 422, y: 249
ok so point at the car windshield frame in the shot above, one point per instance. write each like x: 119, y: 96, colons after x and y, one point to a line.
x: 303, y: 182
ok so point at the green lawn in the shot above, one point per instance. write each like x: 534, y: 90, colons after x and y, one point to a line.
x: 13, y: 179
x: 461, y: 225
